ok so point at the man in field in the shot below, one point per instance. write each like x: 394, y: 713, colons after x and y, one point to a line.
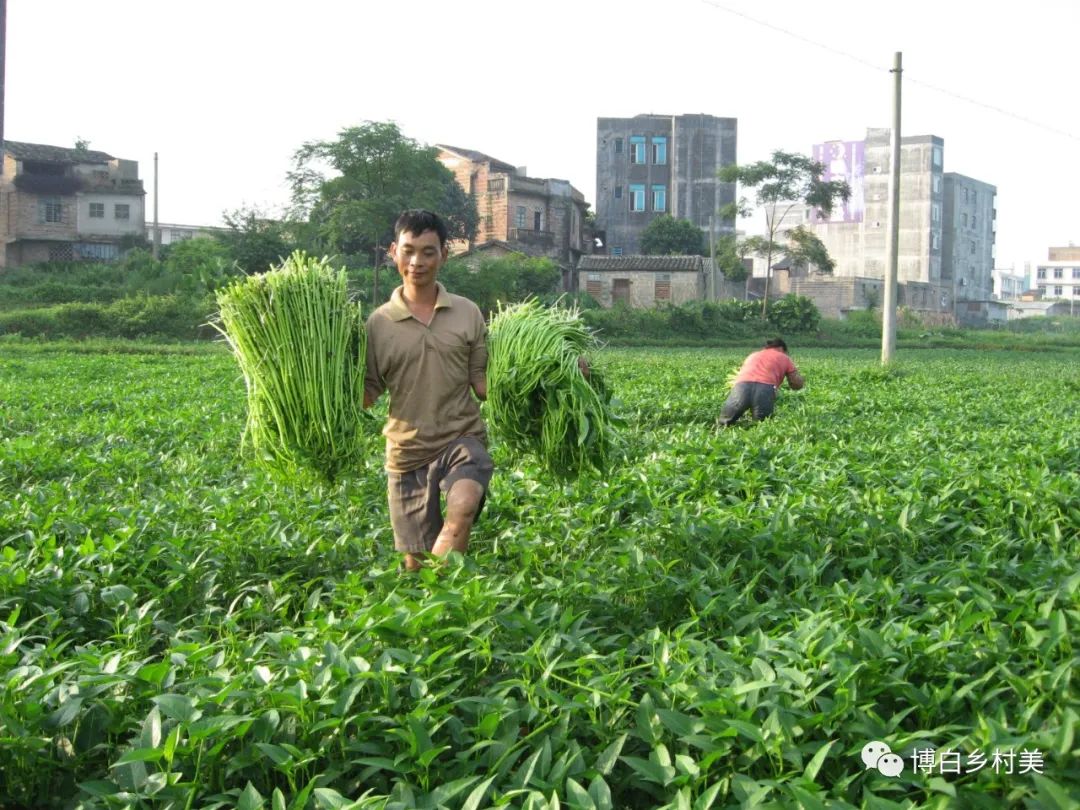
x: 757, y: 382
x: 428, y: 348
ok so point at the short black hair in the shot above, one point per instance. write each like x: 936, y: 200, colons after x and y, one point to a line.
x: 776, y: 343
x: 418, y: 220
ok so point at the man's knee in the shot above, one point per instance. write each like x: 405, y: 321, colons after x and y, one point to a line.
x: 463, y: 500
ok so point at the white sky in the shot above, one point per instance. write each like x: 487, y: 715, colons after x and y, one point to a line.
x: 226, y: 91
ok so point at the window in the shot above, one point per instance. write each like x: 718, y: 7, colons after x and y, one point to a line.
x: 592, y: 285
x: 637, y: 148
x: 50, y: 210
x: 1076, y: 272
x: 935, y: 213
x: 662, y: 287
x: 659, y: 150
x: 1040, y: 273
x: 965, y: 195
x: 937, y: 184
x: 90, y: 250
x: 489, y: 223
x: 519, y: 217
x: 637, y: 197
x: 1057, y: 290
x: 937, y: 155
x: 616, y: 251
x: 974, y: 221
x: 971, y: 247
x: 618, y: 192
x: 963, y: 220
x: 496, y: 184
x: 659, y: 198
x: 935, y: 240
x: 97, y: 210
x: 122, y: 211
x: 618, y: 146
x: 537, y: 220
x: 1058, y: 272
x: 1076, y: 289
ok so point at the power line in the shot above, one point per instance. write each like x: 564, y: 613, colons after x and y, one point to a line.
x: 865, y: 63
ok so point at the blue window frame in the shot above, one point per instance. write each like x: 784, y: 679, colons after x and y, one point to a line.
x: 659, y: 150
x: 659, y: 198
x: 637, y: 196
x: 637, y: 148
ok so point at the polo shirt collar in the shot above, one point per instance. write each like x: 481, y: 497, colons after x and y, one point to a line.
x: 399, y: 310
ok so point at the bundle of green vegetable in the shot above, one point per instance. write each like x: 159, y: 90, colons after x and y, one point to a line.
x: 539, y: 399
x: 301, y: 346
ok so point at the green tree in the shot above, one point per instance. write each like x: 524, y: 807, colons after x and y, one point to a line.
x: 804, y: 247
x: 729, y: 258
x: 350, y: 190
x: 507, y: 279
x: 781, y: 183
x: 667, y: 236
x: 256, y: 241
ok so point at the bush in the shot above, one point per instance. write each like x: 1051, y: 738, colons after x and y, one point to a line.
x: 169, y: 316
x: 794, y: 313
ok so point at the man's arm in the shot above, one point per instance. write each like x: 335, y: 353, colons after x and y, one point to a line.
x: 478, y: 359
x: 795, y: 380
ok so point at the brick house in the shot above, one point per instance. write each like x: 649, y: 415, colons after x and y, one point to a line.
x: 538, y: 217
x: 643, y: 281
x: 61, y: 204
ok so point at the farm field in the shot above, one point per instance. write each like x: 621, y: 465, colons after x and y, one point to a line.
x: 725, y: 619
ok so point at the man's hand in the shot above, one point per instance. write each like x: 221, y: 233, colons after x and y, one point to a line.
x: 795, y: 381
x: 583, y: 364
x: 480, y: 389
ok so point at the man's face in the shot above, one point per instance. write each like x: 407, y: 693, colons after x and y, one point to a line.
x: 418, y: 257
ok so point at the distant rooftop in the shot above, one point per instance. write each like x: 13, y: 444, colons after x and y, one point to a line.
x: 479, y: 157
x: 54, y: 154
x: 660, y: 264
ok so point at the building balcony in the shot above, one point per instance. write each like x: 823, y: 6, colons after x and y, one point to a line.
x: 530, y: 237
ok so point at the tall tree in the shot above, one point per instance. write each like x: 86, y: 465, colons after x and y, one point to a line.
x: 351, y: 190
x: 804, y: 248
x: 256, y: 240
x: 781, y: 183
x: 667, y: 236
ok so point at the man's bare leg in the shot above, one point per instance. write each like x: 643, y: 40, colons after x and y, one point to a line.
x: 462, y: 502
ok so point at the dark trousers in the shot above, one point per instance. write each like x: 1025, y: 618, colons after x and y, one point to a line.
x: 758, y: 398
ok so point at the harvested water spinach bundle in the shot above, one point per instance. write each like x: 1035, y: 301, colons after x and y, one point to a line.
x: 540, y: 401
x: 301, y: 347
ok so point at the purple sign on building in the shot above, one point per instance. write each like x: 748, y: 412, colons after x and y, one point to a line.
x: 843, y: 160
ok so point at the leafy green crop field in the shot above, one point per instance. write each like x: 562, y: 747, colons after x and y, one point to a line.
x: 724, y: 620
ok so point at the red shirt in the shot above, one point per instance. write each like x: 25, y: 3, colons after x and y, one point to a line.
x: 767, y: 366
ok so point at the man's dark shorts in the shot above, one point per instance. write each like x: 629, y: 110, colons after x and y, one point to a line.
x: 416, y: 496
x: 758, y: 398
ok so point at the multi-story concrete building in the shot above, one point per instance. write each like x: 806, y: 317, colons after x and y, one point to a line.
x: 538, y: 217
x: 947, y: 223
x: 1059, y: 276
x: 1008, y: 284
x: 855, y: 233
x: 61, y: 204
x: 968, y: 238
x: 651, y: 165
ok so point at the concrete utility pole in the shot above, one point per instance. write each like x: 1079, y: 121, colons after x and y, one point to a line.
x: 892, y: 239
x: 156, y: 249
x: 3, y: 60
x: 712, y: 257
